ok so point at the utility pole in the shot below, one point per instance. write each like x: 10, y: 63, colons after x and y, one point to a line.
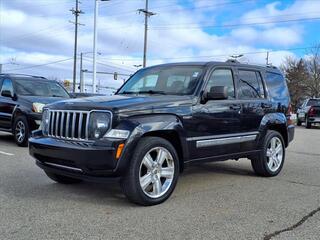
x: 147, y: 14
x: 267, y: 58
x: 76, y: 12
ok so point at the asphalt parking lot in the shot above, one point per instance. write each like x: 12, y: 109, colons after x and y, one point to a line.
x: 222, y: 200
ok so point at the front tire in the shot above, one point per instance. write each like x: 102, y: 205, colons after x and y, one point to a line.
x: 62, y: 179
x: 21, y: 131
x: 270, y: 161
x: 153, y: 172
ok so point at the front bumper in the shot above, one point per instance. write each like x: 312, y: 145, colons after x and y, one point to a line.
x: 34, y: 120
x: 314, y: 119
x: 83, y: 160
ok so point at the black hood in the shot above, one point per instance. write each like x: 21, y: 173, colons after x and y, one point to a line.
x: 124, y: 103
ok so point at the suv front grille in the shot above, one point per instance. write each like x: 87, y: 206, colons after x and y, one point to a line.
x: 69, y: 124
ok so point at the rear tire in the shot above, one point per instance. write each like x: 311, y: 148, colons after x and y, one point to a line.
x: 308, y: 123
x: 270, y: 161
x: 153, y: 172
x: 62, y: 179
x: 21, y: 131
x: 298, y: 122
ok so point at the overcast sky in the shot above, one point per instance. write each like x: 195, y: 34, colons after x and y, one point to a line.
x: 34, y: 32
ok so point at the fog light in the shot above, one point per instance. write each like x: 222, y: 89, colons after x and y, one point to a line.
x: 117, y: 133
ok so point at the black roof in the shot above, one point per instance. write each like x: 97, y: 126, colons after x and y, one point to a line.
x: 16, y: 75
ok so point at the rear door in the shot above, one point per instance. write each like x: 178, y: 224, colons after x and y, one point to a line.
x: 255, y: 105
x: 216, y: 123
x: 7, y: 104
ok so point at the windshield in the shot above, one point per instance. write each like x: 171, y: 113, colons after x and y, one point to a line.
x: 27, y: 87
x: 164, y: 80
x: 313, y: 102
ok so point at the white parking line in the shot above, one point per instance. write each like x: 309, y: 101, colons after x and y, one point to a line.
x: 5, y: 153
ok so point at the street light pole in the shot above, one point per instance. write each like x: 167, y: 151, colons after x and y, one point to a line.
x: 95, y: 42
x: 96, y: 12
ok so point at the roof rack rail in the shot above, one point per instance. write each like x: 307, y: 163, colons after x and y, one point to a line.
x: 232, y: 61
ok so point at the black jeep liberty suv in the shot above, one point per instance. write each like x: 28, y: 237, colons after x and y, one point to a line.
x: 164, y: 118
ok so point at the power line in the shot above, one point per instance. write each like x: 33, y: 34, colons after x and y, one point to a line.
x: 223, y: 55
x: 42, y: 65
x: 165, y: 27
x: 108, y: 65
x: 116, y: 65
x: 183, y: 8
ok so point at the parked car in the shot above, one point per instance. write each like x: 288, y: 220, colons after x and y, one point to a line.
x: 164, y: 118
x: 22, y: 98
x: 309, y: 112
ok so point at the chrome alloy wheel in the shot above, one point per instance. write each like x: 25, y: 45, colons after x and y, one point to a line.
x: 20, y: 131
x: 156, y: 172
x: 274, y: 154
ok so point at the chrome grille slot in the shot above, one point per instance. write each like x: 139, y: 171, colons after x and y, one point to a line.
x: 68, y: 124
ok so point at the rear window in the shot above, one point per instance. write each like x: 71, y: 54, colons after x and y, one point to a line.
x: 277, y: 87
x: 313, y: 102
x: 250, y: 83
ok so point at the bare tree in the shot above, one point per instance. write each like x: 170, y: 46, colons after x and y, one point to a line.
x: 313, y: 66
x: 297, y: 75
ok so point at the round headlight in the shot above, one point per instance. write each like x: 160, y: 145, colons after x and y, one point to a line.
x: 99, y: 124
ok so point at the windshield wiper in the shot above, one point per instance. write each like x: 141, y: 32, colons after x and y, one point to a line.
x: 152, y: 92
x: 144, y: 92
x: 128, y: 92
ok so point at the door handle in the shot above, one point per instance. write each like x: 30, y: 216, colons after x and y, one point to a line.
x: 266, y: 105
x: 235, y: 107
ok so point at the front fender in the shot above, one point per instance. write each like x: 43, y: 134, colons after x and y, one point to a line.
x: 142, y: 125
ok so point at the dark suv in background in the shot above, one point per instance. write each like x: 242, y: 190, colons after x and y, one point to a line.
x: 309, y: 112
x: 163, y: 118
x: 22, y: 98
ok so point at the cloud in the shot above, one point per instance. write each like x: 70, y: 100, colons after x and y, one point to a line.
x: 276, y: 36
x: 39, y: 32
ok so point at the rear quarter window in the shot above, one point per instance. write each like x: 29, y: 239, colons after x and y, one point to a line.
x: 277, y: 87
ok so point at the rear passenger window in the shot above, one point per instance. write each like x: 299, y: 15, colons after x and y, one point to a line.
x: 251, y: 85
x: 222, y: 77
x: 277, y: 86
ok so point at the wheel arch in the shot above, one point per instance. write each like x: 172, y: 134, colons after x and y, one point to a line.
x: 172, y: 137
x: 166, y: 126
x: 276, y: 122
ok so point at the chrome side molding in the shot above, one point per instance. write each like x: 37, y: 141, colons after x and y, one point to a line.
x: 223, y: 141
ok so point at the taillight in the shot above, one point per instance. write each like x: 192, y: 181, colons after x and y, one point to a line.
x: 312, y: 112
x: 289, y: 114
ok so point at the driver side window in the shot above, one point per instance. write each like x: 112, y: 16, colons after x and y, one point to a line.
x: 222, y: 77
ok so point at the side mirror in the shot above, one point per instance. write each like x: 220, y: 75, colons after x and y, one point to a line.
x: 217, y: 93
x: 7, y: 93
